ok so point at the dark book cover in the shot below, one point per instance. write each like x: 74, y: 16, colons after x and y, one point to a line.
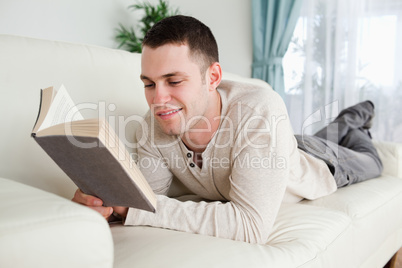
x: 95, y: 171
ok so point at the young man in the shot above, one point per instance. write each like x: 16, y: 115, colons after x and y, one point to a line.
x: 229, y: 143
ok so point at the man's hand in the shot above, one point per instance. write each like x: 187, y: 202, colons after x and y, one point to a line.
x: 92, y: 202
x: 121, y: 211
x: 96, y: 204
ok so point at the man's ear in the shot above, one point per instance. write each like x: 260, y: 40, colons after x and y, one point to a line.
x: 215, y: 75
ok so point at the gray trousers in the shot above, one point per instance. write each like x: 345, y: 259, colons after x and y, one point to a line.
x: 345, y: 145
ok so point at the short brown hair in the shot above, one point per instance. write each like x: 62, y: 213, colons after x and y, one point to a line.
x: 185, y: 30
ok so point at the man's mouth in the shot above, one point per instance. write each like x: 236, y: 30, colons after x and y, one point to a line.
x: 168, y: 114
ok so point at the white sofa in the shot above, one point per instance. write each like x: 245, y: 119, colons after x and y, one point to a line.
x: 358, y: 226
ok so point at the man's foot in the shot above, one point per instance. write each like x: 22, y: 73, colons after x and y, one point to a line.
x: 369, y: 122
x: 358, y: 116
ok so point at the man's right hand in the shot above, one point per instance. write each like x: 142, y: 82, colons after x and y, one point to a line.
x: 93, y: 203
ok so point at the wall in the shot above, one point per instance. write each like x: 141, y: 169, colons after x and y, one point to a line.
x: 94, y: 22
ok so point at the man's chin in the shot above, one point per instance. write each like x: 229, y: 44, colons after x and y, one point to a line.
x: 168, y: 130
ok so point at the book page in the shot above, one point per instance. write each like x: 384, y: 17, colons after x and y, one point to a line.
x: 46, y: 98
x: 61, y: 110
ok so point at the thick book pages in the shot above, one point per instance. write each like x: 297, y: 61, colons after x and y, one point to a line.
x: 90, y: 153
x: 56, y: 107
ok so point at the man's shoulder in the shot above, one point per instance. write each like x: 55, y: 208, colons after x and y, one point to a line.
x: 253, y: 94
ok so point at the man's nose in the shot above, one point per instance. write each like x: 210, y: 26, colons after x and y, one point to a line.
x: 162, y: 94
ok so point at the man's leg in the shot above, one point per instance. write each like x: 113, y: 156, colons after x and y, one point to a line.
x: 358, y: 159
x: 346, y: 146
x: 354, y: 117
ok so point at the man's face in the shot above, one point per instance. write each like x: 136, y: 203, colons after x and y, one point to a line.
x: 175, y: 91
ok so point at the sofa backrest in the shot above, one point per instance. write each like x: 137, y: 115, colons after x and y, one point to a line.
x: 104, y: 78
x: 105, y: 81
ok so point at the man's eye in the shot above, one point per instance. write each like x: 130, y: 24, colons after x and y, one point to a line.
x: 148, y: 85
x: 175, y: 83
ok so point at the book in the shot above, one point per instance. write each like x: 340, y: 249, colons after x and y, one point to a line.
x: 90, y: 152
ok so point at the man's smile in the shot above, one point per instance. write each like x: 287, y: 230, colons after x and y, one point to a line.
x: 167, y: 114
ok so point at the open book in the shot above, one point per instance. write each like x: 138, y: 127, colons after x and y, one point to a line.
x: 90, y: 153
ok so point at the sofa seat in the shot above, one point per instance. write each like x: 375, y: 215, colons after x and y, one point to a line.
x: 300, y: 234
x: 373, y: 209
x: 308, y: 234
x: 41, y: 229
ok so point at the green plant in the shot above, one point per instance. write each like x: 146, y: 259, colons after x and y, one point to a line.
x: 128, y: 38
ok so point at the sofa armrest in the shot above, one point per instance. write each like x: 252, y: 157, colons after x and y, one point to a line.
x: 40, y: 229
x: 391, y: 157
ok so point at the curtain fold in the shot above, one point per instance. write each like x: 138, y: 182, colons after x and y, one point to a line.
x: 343, y: 52
x: 273, y: 25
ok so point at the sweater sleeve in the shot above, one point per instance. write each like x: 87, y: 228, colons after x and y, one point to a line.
x: 258, y: 180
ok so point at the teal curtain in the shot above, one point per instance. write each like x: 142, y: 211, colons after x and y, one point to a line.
x: 273, y: 25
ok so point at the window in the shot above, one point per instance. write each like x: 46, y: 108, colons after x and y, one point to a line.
x: 343, y: 52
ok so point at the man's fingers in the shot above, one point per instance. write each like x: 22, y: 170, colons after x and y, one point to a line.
x: 92, y: 202
x: 88, y: 200
x: 104, y: 211
x: 122, y: 211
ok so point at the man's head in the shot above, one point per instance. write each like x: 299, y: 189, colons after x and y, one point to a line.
x: 180, y: 72
x: 184, y: 30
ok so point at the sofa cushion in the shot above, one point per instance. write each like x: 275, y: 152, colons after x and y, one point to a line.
x: 359, y: 200
x: 300, y: 234
x: 391, y: 156
x: 374, y: 206
x: 40, y: 229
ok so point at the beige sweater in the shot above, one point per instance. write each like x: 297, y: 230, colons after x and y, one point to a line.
x: 250, y: 167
